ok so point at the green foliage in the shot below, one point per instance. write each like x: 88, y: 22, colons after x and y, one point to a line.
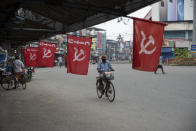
x: 181, y: 52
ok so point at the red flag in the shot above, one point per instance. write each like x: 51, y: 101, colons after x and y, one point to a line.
x: 78, y: 54
x: 46, y: 54
x: 147, y: 41
x: 30, y: 56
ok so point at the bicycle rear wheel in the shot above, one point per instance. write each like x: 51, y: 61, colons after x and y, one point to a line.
x: 110, y: 92
x: 99, y: 89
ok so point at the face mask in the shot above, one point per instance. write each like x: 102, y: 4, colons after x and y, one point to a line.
x: 103, y: 60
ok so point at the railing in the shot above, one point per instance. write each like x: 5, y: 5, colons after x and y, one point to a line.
x: 182, y: 61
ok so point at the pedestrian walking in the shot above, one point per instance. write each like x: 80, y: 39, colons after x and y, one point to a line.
x: 60, y: 60
x: 65, y: 59
x: 160, y: 65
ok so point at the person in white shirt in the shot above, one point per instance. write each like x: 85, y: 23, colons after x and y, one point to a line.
x: 160, y: 66
x: 18, y: 67
x: 60, y: 61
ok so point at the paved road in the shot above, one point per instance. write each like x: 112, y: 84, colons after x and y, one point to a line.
x: 57, y: 101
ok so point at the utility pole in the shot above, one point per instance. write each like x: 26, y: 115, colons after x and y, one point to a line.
x: 194, y: 25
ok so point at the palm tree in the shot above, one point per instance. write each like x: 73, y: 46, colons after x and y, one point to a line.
x: 119, y: 38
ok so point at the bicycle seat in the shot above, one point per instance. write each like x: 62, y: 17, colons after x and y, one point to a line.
x: 22, y: 73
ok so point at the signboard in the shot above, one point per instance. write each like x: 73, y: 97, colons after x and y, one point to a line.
x: 99, y: 40
x: 193, y: 47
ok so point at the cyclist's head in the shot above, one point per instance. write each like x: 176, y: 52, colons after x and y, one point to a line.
x: 17, y: 57
x: 103, y: 59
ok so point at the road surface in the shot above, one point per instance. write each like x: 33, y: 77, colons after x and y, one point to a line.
x: 57, y: 101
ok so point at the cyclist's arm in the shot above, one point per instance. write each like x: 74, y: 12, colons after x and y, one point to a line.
x: 22, y: 65
x: 99, y: 67
x: 110, y: 66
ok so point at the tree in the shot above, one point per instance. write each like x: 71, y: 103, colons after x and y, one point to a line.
x: 119, y: 38
x: 181, y: 52
x: 123, y: 19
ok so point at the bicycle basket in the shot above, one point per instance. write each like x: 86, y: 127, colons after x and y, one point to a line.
x: 109, y: 76
x: 100, y: 76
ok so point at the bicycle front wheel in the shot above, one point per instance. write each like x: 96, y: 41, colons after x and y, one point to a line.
x: 110, y: 92
x: 99, y: 89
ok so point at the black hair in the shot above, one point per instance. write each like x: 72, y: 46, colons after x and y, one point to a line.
x: 17, y: 57
x: 103, y: 57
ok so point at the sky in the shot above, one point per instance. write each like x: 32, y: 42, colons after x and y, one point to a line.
x: 114, y: 28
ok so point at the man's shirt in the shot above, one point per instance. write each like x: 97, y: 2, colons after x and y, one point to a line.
x: 104, y: 66
x: 60, y: 59
x: 18, y: 65
x: 160, y: 61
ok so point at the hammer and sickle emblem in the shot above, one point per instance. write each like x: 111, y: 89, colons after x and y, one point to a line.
x: 32, y: 56
x: 77, y: 55
x: 143, y: 47
x: 47, y: 53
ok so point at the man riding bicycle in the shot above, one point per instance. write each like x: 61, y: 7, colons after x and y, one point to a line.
x: 104, y: 67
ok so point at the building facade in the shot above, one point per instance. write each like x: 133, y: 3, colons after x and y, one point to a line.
x: 118, y: 50
x: 178, y: 15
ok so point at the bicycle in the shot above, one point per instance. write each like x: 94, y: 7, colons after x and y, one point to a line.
x: 7, y: 80
x: 105, y: 86
x: 21, y: 81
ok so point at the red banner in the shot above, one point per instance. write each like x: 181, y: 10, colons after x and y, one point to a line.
x: 46, y: 54
x: 147, y: 42
x: 30, y: 56
x: 78, y: 54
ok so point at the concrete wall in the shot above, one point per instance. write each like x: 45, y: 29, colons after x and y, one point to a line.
x: 179, y: 26
x: 155, y: 11
x: 182, y: 44
x: 188, y: 9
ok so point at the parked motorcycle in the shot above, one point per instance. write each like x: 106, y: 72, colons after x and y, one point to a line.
x: 29, y: 74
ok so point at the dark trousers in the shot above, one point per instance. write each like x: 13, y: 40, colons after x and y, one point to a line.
x: 159, y: 66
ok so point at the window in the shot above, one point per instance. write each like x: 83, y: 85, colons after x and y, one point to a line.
x: 162, y: 3
x: 190, y: 34
x: 174, y: 34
